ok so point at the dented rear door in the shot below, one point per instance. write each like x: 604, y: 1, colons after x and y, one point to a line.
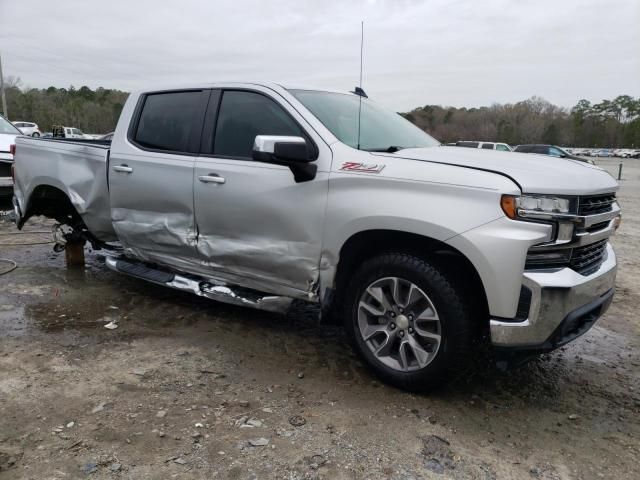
x: 151, y: 177
x: 256, y: 225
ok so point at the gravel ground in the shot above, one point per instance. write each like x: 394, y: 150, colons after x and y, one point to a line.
x: 189, y: 388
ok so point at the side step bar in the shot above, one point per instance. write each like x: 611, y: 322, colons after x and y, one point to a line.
x: 200, y: 286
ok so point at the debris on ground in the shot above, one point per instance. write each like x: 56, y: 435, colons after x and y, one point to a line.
x: 297, y: 420
x: 259, y: 442
x: 437, y: 454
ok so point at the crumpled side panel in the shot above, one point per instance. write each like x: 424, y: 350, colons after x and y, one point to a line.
x: 77, y: 169
x: 295, y: 261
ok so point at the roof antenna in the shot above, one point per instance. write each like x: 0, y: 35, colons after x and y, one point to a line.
x: 358, y: 90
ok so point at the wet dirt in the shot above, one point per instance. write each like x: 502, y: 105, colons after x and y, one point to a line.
x: 189, y: 388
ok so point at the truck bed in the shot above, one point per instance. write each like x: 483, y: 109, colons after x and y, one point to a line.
x: 76, y: 167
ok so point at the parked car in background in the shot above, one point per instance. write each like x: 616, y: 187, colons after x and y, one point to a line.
x: 8, y: 134
x: 60, y: 131
x: 603, y: 152
x: 503, y: 147
x: 256, y: 195
x: 624, y: 153
x: 579, y: 151
x: 552, y: 150
x: 27, y: 128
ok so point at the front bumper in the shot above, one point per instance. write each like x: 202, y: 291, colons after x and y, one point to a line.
x: 564, y: 304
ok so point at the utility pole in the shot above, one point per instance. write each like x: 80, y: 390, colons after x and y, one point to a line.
x: 4, y: 99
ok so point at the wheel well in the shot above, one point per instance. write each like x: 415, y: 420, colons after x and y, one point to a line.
x: 53, y: 203
x: 459, y: 270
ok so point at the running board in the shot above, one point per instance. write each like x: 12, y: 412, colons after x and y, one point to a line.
x: 204, y: 288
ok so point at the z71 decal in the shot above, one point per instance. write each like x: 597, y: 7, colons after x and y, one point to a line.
x: 362, y: 167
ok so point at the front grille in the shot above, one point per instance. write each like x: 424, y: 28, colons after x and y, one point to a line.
x: 596, y: 204
x: 587, y: 259
x: 584, y: 260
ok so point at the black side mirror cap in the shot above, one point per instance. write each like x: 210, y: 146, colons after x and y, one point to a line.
x: 292, y: 152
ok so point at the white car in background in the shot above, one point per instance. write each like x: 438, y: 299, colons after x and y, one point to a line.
x: 503, y: 147
x: 60, y: 131
x: 27, y: 128
x: 624, y: 153
x: 8, y: 134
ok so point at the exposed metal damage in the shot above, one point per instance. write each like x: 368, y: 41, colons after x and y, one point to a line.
x: 201, y: 286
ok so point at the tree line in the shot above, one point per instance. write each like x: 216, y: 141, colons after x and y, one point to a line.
x: 610, y: 123
x: 92, y: 111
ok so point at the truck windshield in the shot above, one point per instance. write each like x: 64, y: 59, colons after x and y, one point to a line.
x: 380, y: 129
x: 7, y: 127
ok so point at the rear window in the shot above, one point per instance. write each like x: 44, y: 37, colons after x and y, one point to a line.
x: 166, y: 120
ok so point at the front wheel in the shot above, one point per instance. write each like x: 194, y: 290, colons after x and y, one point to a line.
x: 407, y: 321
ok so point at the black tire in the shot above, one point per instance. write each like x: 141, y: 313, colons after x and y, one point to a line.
x: 456, y: 327
x: 35, y: 135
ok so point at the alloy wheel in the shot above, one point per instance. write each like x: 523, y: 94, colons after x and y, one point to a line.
x: 399, y: 324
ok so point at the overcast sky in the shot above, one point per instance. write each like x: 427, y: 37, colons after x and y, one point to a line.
x: 455, y: 52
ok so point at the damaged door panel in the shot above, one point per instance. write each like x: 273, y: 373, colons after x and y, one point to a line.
x: 256, y: 224
x: 151, y: 178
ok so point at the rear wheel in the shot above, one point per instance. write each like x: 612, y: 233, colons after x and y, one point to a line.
x: 407, y: 321
x: 35, y: 134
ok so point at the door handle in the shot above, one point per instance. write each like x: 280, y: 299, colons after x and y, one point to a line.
x: 212, y: 178
x: 123, y: 168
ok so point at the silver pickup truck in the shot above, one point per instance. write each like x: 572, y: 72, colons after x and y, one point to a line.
x: 258, y: 195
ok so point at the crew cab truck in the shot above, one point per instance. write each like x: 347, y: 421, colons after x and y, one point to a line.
x: 259, y: 195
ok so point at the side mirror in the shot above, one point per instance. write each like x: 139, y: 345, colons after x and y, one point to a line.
x: 291, y: 152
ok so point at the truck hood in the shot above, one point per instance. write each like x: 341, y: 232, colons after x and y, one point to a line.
x: 532, y: 172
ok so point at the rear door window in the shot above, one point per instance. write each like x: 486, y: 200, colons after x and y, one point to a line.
x: 244, y: 115
x: 487, y: 146
x: 167, y: 120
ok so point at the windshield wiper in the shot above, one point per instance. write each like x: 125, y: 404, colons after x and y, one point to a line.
x: 389, y: 149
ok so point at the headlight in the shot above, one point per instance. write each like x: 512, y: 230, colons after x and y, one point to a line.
x: 534, y: 206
